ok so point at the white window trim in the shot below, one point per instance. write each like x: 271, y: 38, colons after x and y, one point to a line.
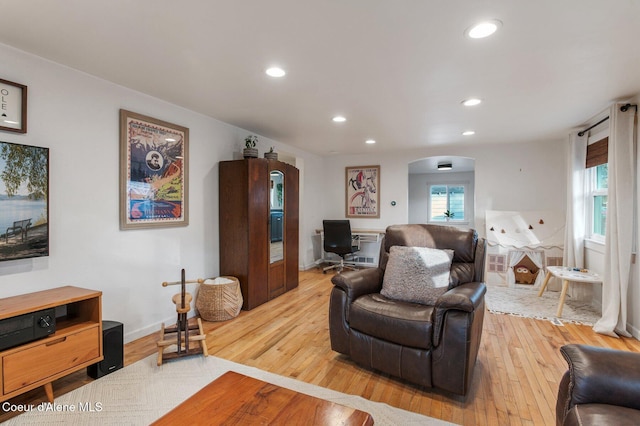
x: 591, y: 194
x: 596, y: 239
x: 594, y: 245
x: 452, y: 221
x: 590, y: 235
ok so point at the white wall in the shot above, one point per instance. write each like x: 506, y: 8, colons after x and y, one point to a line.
x: 594, y: 261
x: 76, y: 116
x: 529, y: 176
x: 393, y: 186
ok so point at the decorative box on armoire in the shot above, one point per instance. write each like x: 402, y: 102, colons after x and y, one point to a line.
x: 259, y: 227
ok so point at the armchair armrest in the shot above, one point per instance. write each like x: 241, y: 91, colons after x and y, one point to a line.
x: 348, y: 286
x: 599, y: 375
x: 466, y: 297
x: 360, y: 282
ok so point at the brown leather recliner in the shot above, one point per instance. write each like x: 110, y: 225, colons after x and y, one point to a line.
x: 434, y: 346
x: 601, y: 387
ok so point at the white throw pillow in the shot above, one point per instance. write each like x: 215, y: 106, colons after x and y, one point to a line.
x: 417, y: 274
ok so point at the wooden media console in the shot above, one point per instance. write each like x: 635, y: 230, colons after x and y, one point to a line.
x: 76, y: 343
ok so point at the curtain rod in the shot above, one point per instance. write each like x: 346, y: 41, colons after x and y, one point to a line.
x: 623, y: 108
x: 581, y: 134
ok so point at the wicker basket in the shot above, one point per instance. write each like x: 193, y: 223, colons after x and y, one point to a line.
x: 219, y: 299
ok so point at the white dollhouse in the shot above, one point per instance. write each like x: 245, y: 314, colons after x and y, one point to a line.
x: 521, y: 244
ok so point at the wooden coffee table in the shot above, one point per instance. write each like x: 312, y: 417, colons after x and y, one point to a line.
x: 235, y: 399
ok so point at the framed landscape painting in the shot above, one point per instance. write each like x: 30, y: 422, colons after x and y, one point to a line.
x: 362, y: 192
x: 153, y: 172
x: 24, y: 201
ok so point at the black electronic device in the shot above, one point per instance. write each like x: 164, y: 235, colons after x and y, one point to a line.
x: 113, y: 349
x: 25, y: 328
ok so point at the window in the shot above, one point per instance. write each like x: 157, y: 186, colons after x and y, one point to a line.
x: 497, y: 263
x: 598, y: 184
x: 445, y: 199
x: 597, y: 175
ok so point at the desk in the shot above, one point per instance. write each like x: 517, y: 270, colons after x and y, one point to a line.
x: 235, y: 399
x: 567, y: 274
x: 368, y: 254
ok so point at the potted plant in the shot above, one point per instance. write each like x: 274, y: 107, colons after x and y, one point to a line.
x: 271, y: 155
x: 448, y: 214
x: 250, y: 150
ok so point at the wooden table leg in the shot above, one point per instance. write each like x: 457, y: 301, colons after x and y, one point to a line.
x: 544, y: 284
x: 48, y: 389
x: 565, y: 286
x: 203, y: 342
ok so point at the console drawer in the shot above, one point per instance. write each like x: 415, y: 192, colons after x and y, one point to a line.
x: 53, y: 356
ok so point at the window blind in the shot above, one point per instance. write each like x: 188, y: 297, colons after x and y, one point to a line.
x: 598, y: 153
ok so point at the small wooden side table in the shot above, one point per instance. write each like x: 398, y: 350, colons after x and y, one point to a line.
x: 567, y: 274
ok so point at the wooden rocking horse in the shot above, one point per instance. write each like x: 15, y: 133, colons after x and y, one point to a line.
x: 179, y: 334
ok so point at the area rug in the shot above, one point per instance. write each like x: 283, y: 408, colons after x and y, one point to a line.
x: 526, y: 303
x: 143, y: 392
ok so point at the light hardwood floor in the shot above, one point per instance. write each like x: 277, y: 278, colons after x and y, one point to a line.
x: 515, y: 381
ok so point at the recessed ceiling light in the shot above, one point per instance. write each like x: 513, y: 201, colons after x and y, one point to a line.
x: 468, y: 133
x: 370, y: 141
x: 339, y: 119
x: 275, y: 72
x: 472, y: 102
x: 445, y: 165
x: 483, y: 29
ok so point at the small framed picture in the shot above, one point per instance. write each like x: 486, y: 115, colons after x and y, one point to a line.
x: 13, y: 107
x: 154, y: 178
x: 362, y: 192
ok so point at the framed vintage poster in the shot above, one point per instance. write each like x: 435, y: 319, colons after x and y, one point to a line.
x: 13, y: 107
x: 362, y: 191
x: 154, y: 161
x: 24, y: 201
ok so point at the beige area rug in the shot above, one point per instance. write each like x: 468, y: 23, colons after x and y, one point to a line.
x: 143, y: 392
x: 526, y: 303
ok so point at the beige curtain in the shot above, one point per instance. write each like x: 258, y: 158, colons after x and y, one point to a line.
x: 573, y: 254
x: 619, y: 228
x: 575, y: 229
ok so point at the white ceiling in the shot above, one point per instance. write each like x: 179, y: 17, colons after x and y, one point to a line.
x: 430, y: 165
x: 397, y: 70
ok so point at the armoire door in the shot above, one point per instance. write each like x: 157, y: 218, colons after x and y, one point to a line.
x: 277, y: 219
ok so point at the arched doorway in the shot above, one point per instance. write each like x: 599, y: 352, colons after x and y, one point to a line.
x: 442, y: 195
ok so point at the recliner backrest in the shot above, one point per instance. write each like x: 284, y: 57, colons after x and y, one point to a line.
x: 468, y: 256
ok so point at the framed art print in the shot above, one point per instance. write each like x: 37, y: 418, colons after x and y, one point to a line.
x: 13, y: 107
x: 24, y: 201
x: 153, y: 172
x: 362, y: 192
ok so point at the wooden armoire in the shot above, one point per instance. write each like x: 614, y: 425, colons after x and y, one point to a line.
x: 259, y: 227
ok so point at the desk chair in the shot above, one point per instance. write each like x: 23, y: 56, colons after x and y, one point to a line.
x: 338, y: 240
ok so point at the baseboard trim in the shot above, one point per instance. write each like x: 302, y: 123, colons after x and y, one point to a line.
x: 150, y: 329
